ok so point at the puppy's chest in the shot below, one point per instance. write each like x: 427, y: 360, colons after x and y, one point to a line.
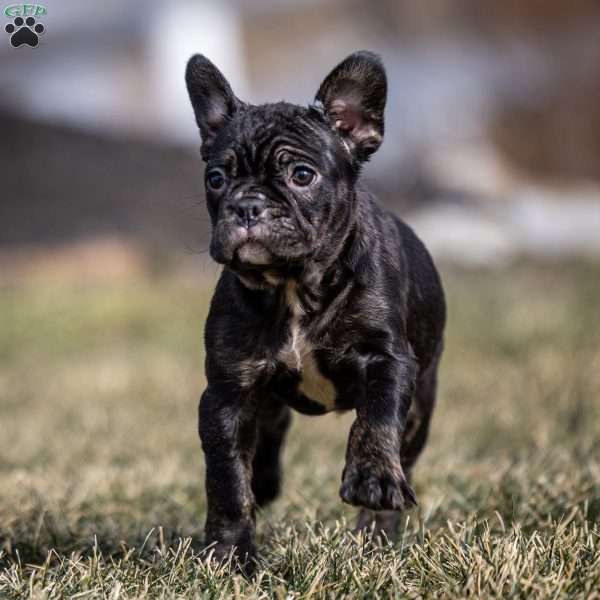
x: 296, y: 369
x: 299, y: 356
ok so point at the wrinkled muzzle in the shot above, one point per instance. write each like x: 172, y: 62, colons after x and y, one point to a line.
x: 250, y: 232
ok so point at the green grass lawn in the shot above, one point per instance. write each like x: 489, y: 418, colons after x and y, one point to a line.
x: 101, y: 473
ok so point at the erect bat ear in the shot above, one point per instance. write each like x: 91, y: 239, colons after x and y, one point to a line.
x: 212, y: 98
x: 353, y: 96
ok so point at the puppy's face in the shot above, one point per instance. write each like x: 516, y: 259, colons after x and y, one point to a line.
x: 279, y: 177
x: 275, y: 176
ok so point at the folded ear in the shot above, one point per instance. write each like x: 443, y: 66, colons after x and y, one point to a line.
x: 212, y: 98
x: 353, y: 96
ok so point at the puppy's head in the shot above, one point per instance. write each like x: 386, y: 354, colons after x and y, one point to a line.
x: 279, y: 177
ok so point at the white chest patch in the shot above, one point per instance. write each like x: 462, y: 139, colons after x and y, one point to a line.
x: 298, y: 354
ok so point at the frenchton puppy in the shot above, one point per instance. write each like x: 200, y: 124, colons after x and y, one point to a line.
x: 326, y: 302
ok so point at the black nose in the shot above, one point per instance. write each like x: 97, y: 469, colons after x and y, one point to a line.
x: 248, y: 210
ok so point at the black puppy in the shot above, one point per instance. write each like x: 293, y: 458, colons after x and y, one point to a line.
x: 327, y: 302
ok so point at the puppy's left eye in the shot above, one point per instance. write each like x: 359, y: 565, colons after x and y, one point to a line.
x: 303, y: 176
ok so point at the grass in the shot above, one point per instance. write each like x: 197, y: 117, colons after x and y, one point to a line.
x: 101, y: 489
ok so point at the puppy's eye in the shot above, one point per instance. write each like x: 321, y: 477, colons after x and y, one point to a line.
x: 303, y: 176
x: 215, y: 179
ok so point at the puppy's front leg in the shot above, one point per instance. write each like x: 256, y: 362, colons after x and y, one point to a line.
x: 373, y: 475
x: 227, y: 429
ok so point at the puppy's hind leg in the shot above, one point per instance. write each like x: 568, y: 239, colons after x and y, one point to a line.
x: 273, y: 423
x: 416, y: 432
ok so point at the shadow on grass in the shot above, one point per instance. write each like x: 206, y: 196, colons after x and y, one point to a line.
x: 109, y: 526
x: 81, y: 545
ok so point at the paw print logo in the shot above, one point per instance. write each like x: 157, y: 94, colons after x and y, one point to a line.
x: 24, y: 32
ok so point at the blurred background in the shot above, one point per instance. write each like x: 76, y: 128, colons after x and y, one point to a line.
x: 492, y: 153
x: 492, y: 146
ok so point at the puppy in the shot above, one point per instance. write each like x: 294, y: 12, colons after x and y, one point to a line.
x: 326, y: 302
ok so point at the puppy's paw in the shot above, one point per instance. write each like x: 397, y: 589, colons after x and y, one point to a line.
x: 232, y: 544
x: 240, y: 559
x: 376, y: 487
x: 382, y: 524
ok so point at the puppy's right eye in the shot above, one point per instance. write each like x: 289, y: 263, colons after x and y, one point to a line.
x: 215, y: 179
x: 303, y: 176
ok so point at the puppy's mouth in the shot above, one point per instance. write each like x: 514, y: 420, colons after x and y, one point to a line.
x: 252, y: 252
x: 257, y: 248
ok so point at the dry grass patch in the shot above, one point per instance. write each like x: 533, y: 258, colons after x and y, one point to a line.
x: 101, y: 471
